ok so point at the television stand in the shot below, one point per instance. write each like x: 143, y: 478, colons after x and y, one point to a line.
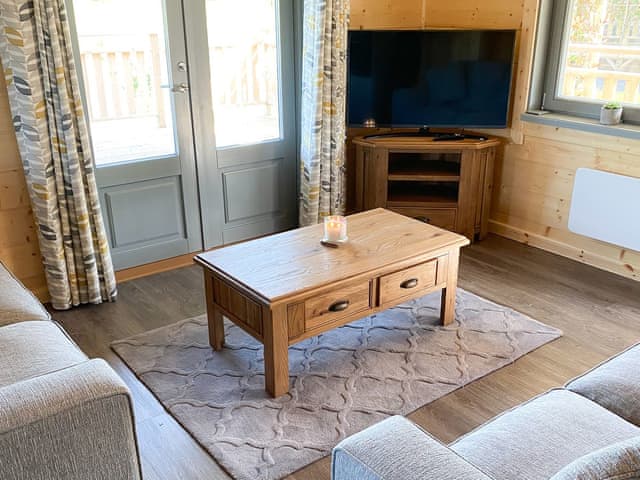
x: 425, y: 132
x: 444, y: 181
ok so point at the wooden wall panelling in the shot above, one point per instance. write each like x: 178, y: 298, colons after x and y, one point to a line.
x: 535, y: 176
x: 389, y: 14
x: 526, y: 45
x: 535, y: 184
x: 494, y: 14
x: 19, y: 248
x: 578, y: 138
x: 415, y: 14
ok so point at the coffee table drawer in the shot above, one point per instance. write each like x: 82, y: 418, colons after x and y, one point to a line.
x: 408, y: 282
x: 337, y: 304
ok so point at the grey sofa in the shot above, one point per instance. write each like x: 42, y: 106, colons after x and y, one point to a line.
x: 62, y: 415
x: 585, y: 431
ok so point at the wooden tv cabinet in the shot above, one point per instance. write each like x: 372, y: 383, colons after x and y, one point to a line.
x: 445, y: 183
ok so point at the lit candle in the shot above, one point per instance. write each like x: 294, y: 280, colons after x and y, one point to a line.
x: 335, y: 229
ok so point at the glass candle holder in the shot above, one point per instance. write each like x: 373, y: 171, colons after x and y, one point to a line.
x: 335, y: 229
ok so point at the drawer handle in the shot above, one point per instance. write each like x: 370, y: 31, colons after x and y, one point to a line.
x: 424, y: 219
x: 340, y: 306
x: 407, y: 284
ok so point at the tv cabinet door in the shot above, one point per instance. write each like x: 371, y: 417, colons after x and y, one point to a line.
x: 376, y: 171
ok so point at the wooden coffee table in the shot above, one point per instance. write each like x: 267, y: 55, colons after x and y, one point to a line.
x: 286, y: 288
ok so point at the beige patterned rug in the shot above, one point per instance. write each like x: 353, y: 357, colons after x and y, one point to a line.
x: 342, y: 382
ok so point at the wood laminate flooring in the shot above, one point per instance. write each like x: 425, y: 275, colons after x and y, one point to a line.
x: 599, y: 313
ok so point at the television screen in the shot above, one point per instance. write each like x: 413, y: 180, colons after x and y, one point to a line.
x: 437, y: 78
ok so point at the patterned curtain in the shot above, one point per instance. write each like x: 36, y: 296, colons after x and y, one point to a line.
x: 35, y: 49
x: 323, y: 122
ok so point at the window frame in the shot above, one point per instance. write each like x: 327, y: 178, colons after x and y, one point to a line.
x: 553, y: 33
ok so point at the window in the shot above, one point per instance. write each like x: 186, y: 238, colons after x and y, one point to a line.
x: 243, y: 52
x: 125, y: 74
x: 594, y: 57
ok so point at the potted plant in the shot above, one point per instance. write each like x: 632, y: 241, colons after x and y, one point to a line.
x: 611, y: 114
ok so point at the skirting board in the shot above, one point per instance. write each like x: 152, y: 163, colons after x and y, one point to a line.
x: 133, y: 273
x: 613, y: 265
x: 160, y: 266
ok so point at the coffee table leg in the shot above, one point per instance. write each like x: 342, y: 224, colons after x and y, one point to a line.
x: 276, y: 351
x: 448, y: 306
x: 214, y: 315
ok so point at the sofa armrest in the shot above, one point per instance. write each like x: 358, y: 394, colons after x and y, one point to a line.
x: 72, y: 424
x: 397, y: 449
x: 17, y: 303
x: 614, y: 384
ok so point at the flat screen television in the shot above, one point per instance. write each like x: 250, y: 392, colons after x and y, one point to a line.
x: 439, y: 78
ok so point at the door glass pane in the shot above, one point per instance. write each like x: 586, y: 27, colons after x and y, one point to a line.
x: 244, y: 70
x: 124, y: 63
x: 601, y: 56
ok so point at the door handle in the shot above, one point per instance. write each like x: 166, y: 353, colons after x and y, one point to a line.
x: 179, y: 88
x: 407, y: 284
x: 340, y: 306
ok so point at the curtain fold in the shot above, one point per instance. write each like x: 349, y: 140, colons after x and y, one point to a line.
x: 323, y: 110
x: 50, y: 125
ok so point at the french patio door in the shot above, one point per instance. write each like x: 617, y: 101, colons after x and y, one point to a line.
x: 241, y: 54
x: 191, y: 108
x: 135, y: 81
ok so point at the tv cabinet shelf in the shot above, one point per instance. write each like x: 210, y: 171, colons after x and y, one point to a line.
x: 423, y: 176
x: 408, y: 168
x: 446, y: 183
x: 426, y: 194
x: 421, y: 202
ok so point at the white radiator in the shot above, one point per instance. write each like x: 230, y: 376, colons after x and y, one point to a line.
x: 606, y: 206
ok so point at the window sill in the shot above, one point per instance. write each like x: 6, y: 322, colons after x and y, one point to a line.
x: 624, y: 130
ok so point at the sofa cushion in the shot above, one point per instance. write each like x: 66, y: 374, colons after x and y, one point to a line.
x: 17, y: 304
x: 538, y: 438
x: 615, y: 384
x: 620, y: 461
x: 31, y: 349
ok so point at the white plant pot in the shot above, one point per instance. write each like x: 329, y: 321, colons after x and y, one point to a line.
x: 610, y: 116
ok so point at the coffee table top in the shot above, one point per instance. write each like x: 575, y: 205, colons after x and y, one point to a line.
x: 293, y: 262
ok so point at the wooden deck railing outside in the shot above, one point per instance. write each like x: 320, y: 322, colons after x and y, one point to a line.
x: 123, y: 77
